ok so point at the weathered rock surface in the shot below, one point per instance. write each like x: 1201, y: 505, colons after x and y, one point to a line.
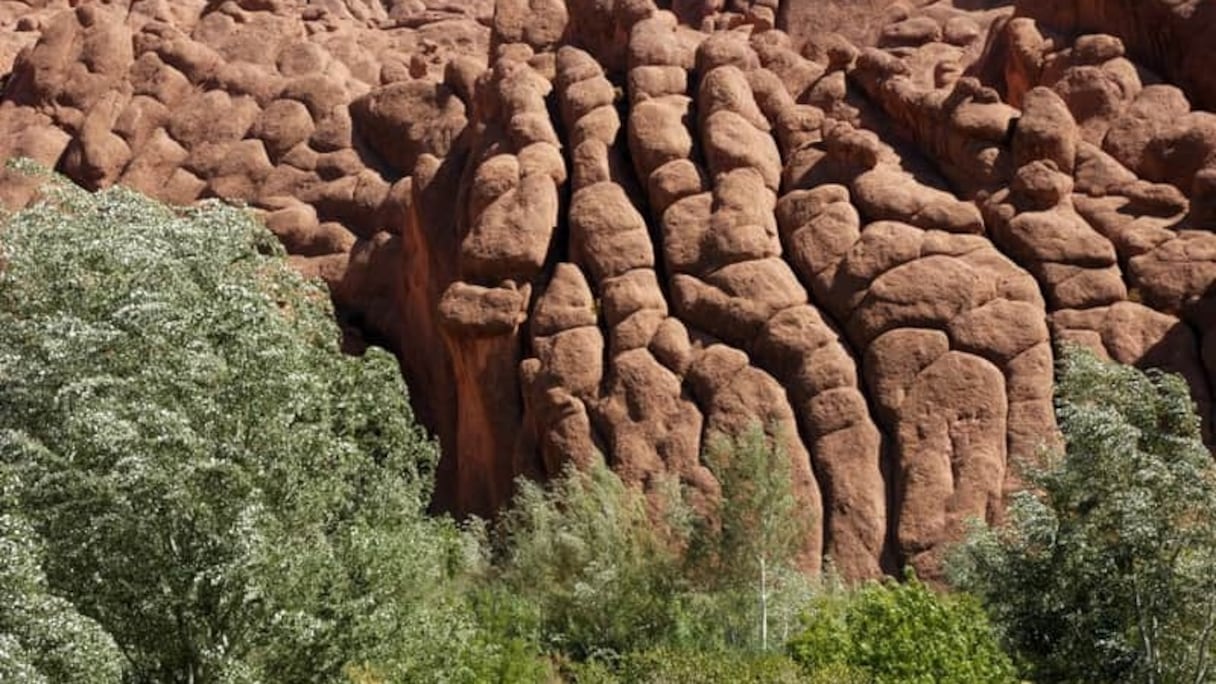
x: 606, y: 226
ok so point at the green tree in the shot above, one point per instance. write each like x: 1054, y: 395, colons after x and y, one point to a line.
x: 584, y: 568
x: 43, y: 638
x: 744, y: 560
x: 901, y: 633
x: 1104, y: 571
x: 213, y: 482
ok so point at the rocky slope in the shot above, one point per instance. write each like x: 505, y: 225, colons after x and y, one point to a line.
x: 613, y: 225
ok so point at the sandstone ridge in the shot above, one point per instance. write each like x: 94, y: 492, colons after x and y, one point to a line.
x: 624, y: 226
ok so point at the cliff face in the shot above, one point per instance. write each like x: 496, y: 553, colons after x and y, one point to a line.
x: 605, y: 225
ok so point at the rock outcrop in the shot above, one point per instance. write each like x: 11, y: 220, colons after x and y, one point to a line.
x: 631, y: 227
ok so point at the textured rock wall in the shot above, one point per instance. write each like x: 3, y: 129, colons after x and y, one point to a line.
x: 619, y: 226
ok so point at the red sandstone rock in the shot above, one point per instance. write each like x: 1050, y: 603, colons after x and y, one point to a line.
x: 597, y: 225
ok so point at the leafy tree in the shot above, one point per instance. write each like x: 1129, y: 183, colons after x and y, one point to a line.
x: 744, y: 562
x: 901, y: 633
x: 1104, y: 570
x: 583, y: 565
x: 759, y: 524
x: 214, y: 483
x: 43, y: 638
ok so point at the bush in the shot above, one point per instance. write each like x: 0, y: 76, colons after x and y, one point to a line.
x: 583, y: 568
x: 901, y: 633
x: 691, y: 666
x: 682, y: 666
x: 43, y: 638
x: 213, y: 482
x: 1104, y: 571
x: 742, y: 562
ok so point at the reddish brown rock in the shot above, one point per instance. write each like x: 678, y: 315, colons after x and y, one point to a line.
x: 599, y: 225
x: 1167, y: 37
x: 403, y: 120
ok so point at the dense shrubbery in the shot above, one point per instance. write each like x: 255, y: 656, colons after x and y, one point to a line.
x: 690, y: 666
x: 605, y: 579
x: 1107, y: 568
x: 901, y: 633
x: 210, y: 479
x: 196, y: 486
x: 606, y: 587
x: 588, y: 572
x: 43, y: 638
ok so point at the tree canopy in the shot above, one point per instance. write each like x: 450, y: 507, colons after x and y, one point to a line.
x: 1104, y: 571
x: 209, y: 478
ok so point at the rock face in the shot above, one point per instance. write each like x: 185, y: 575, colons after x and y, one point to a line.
x: 618, y: 227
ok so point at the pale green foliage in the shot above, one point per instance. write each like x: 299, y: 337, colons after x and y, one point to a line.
x: 43, y: 639
x: 744, y: 566
x: 685, y: 666
x: 218, y: 486
x: 599, y: 577
x: 595, y: 569
x: 758, y: 516
x: 901, y: 634
x: 1104, y: 571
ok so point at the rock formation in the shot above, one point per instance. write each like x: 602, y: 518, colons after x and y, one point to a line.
x: 631, y: 226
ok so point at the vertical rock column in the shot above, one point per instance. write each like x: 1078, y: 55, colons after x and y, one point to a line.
x: 563, y: 374
x: 806, y: 353
x: 723, y: 266
x: 965, y: 129
x: 512, y: 207
x: 646, y: 425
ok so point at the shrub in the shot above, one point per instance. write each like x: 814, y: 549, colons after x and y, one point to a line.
x: 594, y: 576
x: 692, y: 666
x: 1104, y: 571
x: 671, y: 666
x: 901, y: 633
x: 43, y: 638
x: 213, y: 482
x: 585, y: 569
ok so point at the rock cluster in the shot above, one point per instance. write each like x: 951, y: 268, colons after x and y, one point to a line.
x: 630, y: 227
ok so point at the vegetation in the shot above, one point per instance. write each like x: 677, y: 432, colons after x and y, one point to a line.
x: 209, y: 479
x: 606, y: 588
x: 606, y: 579
x: 593, y: 577
x: 43, y: 638
x: 197, y: 486
x: 901, y: 633
x: 746, y: 565
x: 1105, y: 570
x: 687, y: 666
